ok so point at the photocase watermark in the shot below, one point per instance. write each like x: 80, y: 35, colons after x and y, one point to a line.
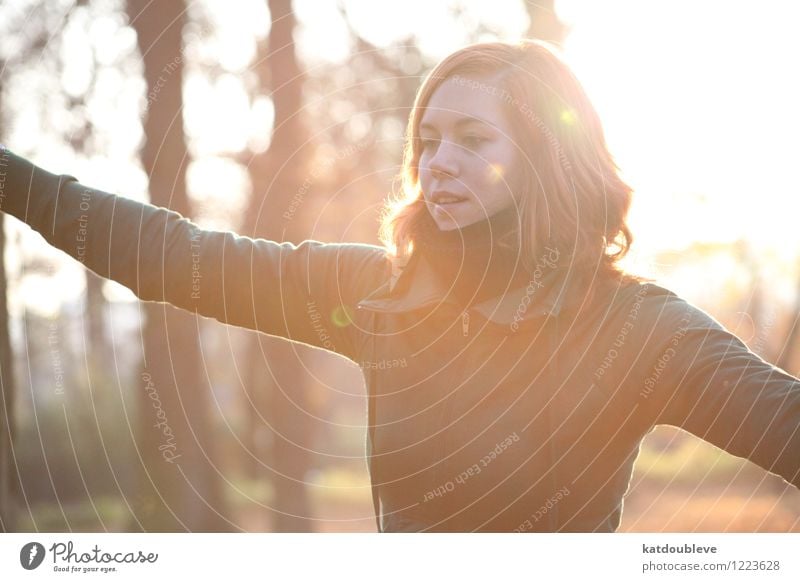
x: 196, y: 275
x: 67, y: 560
x: 316, y: 323
x: 168, y: 446
x: 525, y: 109
x: 548, y: 260
x: 166, y: 72
x: 53, y: 340
x: 319, y: 168
x: 31, y: 555
x: 3, y: 166
x: 473, y: 470
x: 612, y: 353
x: 83, y: 226
x: 669, y: 353
x: 546, y: 507
x: 384, y: 364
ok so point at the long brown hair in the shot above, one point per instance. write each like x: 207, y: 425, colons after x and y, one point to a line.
x: 574, y: 198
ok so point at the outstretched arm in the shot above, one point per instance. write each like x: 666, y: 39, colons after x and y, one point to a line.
x: 277, y: 288
x: 705, y: 380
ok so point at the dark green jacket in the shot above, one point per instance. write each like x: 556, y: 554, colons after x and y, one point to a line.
x: 521, y: 413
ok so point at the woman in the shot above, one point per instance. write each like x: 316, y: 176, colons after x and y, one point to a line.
x: 512, y: 367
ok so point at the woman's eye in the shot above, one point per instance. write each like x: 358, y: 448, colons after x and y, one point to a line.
x: 428, y: 142
x: 473, y: 141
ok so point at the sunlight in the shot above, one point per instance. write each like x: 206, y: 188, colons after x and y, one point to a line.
x: 497, y: 172
x: 698, y: 106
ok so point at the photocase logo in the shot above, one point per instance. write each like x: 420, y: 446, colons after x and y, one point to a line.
x: 31, y: 555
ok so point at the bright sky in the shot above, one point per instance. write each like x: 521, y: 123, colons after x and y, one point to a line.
x: 698, y: 99
x: 699, y: 102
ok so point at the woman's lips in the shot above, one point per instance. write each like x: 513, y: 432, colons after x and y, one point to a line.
x: 447, y: 199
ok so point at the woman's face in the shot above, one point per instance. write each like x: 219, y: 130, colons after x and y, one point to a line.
x: 470, y: 167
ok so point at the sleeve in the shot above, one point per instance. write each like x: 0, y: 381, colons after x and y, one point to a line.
x: 704, y: 379
x: 304, y: 292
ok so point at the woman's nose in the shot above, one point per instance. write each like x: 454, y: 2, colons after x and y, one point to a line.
x: 445, y: 160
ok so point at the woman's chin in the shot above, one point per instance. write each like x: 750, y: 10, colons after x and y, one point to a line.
x: 449, y: 225
x: 452, y: 223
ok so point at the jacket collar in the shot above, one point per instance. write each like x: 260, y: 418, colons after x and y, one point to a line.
x: 413, y: 285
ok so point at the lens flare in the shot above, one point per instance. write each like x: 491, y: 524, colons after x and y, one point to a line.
x: 342, y: 316
x: 496, y: 172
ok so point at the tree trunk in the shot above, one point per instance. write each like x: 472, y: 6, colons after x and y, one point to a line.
x: 181, y: 490
x: 278, y: 384
x: 98, y: 344
x: 7, y: 488
x: 789, y: 347
x: 545, y: 24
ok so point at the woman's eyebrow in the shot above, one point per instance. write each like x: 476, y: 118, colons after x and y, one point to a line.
x: 463, y: 121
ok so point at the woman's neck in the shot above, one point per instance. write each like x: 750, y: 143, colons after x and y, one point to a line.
x: 478, y: 261
x: 492, y: 231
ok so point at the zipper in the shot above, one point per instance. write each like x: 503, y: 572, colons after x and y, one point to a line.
x: 441, y: 469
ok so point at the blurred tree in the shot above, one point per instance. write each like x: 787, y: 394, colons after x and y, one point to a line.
x: 791, y: 345
x: 278, y: 388
x: 6, y: 374
x: 62, y: 64
x: 356, y: 120
x: 545, y: 24
x: 184, y: 493
x: 34, y: 42
x: 7, y: 481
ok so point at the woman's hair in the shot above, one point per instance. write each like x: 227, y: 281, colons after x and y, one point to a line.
x: 573, y: 200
